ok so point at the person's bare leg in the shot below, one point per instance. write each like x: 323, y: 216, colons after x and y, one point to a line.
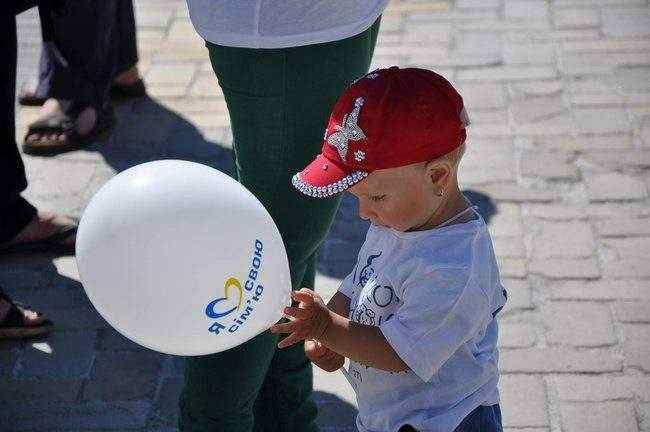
x: 84, y: 123
x: 32, y: 318
x: 45, y: 225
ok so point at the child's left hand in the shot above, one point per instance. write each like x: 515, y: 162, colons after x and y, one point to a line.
x: 309, y: 320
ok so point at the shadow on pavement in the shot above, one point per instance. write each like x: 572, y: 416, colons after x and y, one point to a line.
x: 335, y: 413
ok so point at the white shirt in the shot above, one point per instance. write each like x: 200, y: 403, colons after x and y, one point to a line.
x: 281, y: 23
x: 434, y: 295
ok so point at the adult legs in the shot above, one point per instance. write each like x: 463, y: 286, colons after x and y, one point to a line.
x: 279, y: 102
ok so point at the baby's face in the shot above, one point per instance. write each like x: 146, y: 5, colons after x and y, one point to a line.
x: 399, y: 198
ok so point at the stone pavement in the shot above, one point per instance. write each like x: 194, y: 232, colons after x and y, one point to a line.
x: 559, y: 95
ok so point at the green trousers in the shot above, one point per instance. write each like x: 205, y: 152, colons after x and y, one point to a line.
x: 279, y: 102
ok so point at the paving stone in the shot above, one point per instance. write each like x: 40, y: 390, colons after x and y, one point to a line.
x: 562, y: 360
x: 528, y: 54
x: 565, y: 268
x: 176, y: 74
x: 167, y: 91
x: 597, y: 99
x: 8, y: 353
x: 509, y: 247
x: 598, y: 417
x: 123, y: 376
x: 450, y: 16
x: 515, y: 193
x: 614, y: 187
x: 327, y: 384
x: 601, y: 388
x: 516, y: 335
x: 72, y: 177
x: 576, y: 18
x: 77, y: 318
x: 601, y: 120
x: 628, y: 268
x: 525, y: 10
x: 64, y: 355
x: 519, y: 295
x: 523, y: 412
x: 601, y: 290
x: 513, y: 267
x: 623, y: 227
x: 535, y: 88
x: 634, y: 78
x: 507, y: 73
x: 46, y: 390
x: 617, y: 210
x: 483, y: 96
x: 619, y: 160
x: 539, y: 108
x: 166, y: 407
x: 111, y: 340
x: 334, y: 414
x: 152, y: 18
x: 478, y: 4
x: 626, y: 23
x: 632, y: 312
x: 578, y: 324
x: 206, y: 86
x: 63, y: 416
x: 563, y: 239
x: 506, y: 222
x: 556, y: 212
x: 560, y: 124
x: 635, y: 345
x: 609, y: 142
x: 550, y: 166
x: 497, y: 155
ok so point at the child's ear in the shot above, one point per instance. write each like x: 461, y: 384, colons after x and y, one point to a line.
x: 438, y: 171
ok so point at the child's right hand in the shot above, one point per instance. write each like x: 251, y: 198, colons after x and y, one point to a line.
x: 322, y: 356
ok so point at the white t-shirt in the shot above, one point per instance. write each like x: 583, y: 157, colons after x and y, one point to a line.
x: 281, y: 23
x: 434, y: 295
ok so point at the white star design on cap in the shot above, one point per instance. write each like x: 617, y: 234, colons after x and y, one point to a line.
x: 359, y: 155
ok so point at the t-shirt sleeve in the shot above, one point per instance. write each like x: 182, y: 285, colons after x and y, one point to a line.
x: 440, y: 311
x: 347, y: 286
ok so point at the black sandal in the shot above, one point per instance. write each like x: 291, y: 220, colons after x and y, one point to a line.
x: 64, y: 123
x: 14, y: 326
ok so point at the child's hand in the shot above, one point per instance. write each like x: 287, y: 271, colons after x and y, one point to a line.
x: 308, y: 321
x: 322, y: 356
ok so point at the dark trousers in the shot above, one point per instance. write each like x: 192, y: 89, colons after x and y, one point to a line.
x: 84, y: 47
x: 15, y: 212
x: 279, y: 102
x: 482, y: 419
x: 86, y: 43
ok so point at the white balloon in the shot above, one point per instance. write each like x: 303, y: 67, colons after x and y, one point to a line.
x: 182, y: 259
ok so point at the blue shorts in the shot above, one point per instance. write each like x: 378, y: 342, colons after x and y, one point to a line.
x: 482, y: 419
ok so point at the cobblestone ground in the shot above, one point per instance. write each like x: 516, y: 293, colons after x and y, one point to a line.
x: 559, y: 95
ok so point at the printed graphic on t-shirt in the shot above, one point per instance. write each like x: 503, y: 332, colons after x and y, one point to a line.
x: 374, y: 301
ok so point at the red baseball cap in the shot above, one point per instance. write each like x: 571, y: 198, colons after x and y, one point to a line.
x: 386, y: 119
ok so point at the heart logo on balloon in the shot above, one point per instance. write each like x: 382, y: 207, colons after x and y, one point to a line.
x: 225, y: 305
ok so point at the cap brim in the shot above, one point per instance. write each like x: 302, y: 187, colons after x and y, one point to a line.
x: 324, y: 178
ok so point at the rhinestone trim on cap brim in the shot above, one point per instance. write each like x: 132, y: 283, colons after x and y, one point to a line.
x: 329, y: 190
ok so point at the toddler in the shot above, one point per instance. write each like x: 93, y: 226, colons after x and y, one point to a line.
x: 416, y: 316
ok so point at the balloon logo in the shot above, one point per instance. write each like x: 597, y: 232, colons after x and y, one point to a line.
x: 230, y: 285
